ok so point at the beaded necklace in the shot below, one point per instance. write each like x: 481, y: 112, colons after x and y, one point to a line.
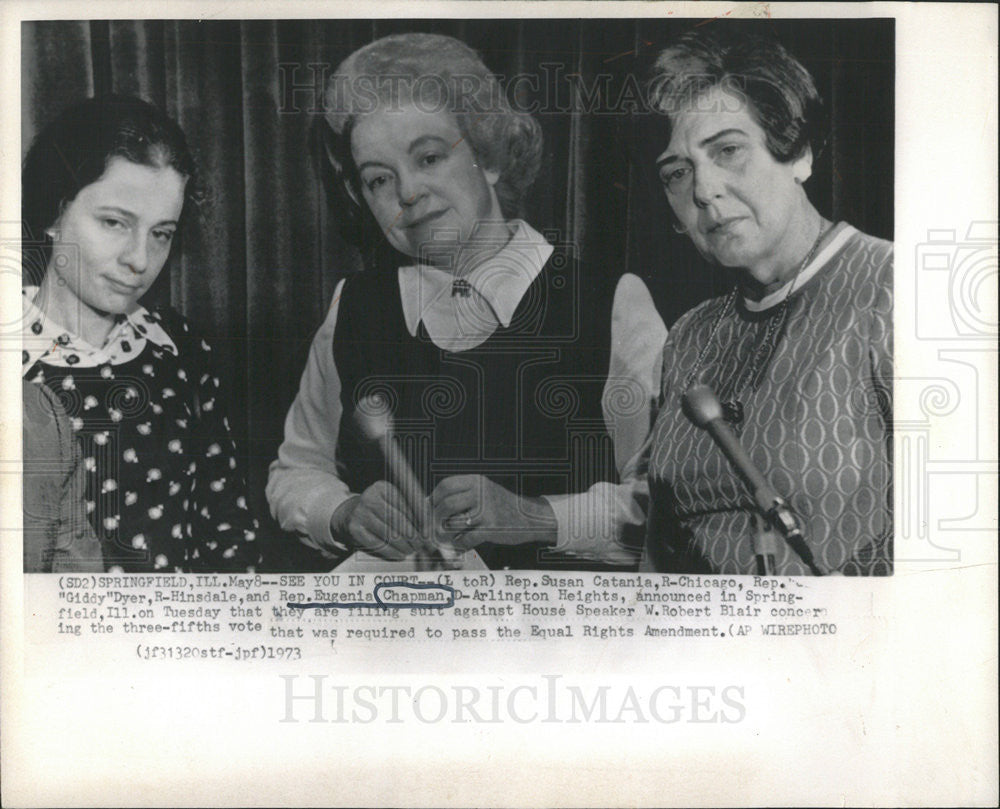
x: 733, y: 408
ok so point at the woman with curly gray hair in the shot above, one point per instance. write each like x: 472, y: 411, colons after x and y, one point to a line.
x: 506, y: 375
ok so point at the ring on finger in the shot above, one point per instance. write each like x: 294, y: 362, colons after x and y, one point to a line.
x: 459, y: 522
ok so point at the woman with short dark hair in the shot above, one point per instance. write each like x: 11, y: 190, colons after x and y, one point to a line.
x: 799, y: 353
x: 105, y: 188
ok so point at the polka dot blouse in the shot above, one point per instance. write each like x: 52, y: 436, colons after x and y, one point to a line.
x: 164, y: 491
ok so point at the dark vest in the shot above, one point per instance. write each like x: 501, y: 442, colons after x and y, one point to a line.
x: 522, y: 408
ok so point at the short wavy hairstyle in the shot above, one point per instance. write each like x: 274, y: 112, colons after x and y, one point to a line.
x: 437, y: 73
x: 780, y: 92
x: 74, y: 150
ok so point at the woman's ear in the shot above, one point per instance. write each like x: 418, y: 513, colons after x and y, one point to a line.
x: 802, y: 166
x: 491, y: 174
x: 52, y: 231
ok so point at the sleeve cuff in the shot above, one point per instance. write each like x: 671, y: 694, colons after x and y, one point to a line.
x: 586, y: 526
x: 560, y: 507
x: 318, y: 523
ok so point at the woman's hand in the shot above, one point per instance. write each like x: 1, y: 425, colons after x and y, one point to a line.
x: 470, y: 509
x: 378, y: 522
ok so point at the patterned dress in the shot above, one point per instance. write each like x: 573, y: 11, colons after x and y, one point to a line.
x: 164, y: 491
x: 816, y: 420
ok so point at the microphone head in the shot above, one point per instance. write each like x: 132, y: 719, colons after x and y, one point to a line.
x: 373, y: 417
x: 701, y: 405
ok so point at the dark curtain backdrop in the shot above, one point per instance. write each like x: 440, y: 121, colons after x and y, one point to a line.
x: 256, y: 268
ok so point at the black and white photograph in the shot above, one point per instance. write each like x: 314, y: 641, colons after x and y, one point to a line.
x: 571, y: 332
x: 477, y: 372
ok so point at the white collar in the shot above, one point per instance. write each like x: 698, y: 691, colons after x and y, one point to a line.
x: 841, y: 233
x: 43, y: 337
x: 497, y: 287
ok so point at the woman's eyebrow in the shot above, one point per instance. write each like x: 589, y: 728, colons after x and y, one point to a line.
x: 122, y: 212
x: 721, y: 134
x: 415, y: 144
x: 372, y: 164
x: 418, y: 142
x: 663, y: 159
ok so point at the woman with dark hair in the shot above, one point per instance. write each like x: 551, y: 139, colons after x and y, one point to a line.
x: 104, y: 192
x: 520, y: 395
x: 799, y: 353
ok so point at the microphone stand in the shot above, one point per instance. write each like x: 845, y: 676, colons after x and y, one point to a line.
x: 372, y: 417
x: 702, y: 407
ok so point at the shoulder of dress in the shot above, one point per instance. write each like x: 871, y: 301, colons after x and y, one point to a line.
x: 695, y: 323
x: 876, y: 254
x: 186, y: 337
x: 367, y: 288
x: 371, y: 297
x: 366, y: 280
x: 172, y: 321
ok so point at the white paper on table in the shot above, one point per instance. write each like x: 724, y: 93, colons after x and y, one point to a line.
x: 361, y: 562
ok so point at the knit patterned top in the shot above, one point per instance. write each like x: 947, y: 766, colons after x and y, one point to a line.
x: 817, y: 421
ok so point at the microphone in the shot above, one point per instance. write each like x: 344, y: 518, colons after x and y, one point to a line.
x: 702, y: 407
x: 375, y: 423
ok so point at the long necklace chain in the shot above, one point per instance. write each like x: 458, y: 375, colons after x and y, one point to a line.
x: 733, y: 407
